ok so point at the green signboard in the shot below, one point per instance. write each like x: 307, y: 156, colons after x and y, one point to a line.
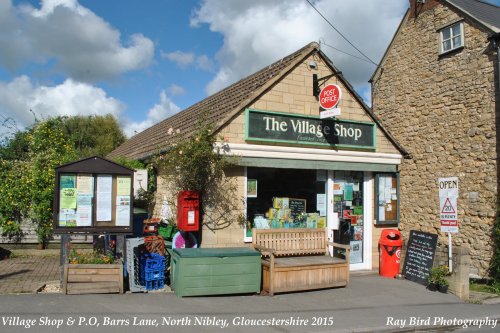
x: 283, y: 127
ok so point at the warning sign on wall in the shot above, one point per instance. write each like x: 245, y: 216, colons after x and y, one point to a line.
x: 448, y: 197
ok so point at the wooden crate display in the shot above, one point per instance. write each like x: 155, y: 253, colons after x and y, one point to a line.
x: 93, y: 278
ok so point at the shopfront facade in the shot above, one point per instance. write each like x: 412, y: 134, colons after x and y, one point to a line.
x: 296, y: 170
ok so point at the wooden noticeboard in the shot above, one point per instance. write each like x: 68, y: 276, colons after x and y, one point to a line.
x: 419, y: 256
x: 93, y: 196
x: 297, y: 206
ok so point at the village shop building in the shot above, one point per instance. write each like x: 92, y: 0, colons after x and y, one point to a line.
x: 436, y: 90
x: 295, y: 169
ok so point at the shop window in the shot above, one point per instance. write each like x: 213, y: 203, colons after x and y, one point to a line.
x: 348, y: 206
x: 387, y: 198
x: 451, y: 37
x: 285, y: 198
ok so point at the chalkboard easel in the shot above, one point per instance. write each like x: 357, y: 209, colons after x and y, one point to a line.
x: 419, y: 256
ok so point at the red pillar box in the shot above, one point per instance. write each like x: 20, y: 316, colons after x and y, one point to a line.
x: 389, y: 246
x: 188, y: 210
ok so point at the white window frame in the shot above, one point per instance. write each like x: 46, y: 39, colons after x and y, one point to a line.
x: 450, y: 29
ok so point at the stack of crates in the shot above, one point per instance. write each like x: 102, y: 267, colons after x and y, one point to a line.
x: 152, y: 271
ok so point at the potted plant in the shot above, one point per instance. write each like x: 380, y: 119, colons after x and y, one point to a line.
x: 437, y: 280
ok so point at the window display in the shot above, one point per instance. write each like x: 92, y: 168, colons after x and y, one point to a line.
x: 287, y: 198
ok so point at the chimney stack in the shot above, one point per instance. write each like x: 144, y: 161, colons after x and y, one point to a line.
x: 419, y: 6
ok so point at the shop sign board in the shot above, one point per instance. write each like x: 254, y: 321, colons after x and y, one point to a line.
x: 266, y: 126
x: 329, y: 113
x: 330, y: 96
x: 448, y: 210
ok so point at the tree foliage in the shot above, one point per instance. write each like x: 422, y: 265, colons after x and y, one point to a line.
x: 27, y: 184
x: 196, y: 164
x: 93, y: 135
x: 28, y: 159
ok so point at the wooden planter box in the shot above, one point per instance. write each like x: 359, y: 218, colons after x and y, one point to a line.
x: 93, y: 279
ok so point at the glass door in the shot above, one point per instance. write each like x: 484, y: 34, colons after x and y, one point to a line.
x: 350, y: 216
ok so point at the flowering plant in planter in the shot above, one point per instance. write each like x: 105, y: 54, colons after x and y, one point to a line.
x: 94, y: 257
x: 437, y: 279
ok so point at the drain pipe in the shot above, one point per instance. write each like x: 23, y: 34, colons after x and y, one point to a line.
x: 496, y: 44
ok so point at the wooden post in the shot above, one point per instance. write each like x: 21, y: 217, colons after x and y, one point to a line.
x: 65, y: 240
x: 120, y: 246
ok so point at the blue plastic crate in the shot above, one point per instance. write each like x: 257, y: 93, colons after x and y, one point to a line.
x: 155, y: 284
x: 152, y: 274
x: 152, y: 261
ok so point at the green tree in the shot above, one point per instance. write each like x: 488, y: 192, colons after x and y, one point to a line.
x: 28, y: 159
x: 27, y: 184
x: 93, y: 135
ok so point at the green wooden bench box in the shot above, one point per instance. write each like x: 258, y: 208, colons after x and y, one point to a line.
x: 215, y: 271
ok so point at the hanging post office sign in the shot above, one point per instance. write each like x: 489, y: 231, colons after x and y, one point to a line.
x: 266, y: 126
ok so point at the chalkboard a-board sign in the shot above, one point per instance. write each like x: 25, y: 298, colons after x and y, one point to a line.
x: 419, y: 256
x: 296, y: 206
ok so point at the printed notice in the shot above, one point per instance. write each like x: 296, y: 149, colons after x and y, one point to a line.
x: 123, y: 210
x: 67, y: 181
x: 84, y: 184
x: 104, y: 198
x: 348, y: 189
x: 84, y: 216
x: 68, y: 198
x: 123, y: 185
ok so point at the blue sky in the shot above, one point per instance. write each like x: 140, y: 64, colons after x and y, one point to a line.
x: 145, y: 60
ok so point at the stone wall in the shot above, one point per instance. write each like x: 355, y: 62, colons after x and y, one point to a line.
x: 459, y: 278
x: 442, y: 110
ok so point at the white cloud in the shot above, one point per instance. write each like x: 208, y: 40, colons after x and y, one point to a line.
x: 69, y: 98
x: 176, y: 90
x: 257, y: 33
x: 84, y: 46
x: 164, y: 109
x: 184, y: 59
x: 203, y: 62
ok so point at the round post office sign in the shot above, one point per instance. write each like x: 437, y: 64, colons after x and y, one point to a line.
x: 330, y: 96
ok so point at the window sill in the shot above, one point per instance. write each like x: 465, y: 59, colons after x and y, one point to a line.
x: 450, y: 52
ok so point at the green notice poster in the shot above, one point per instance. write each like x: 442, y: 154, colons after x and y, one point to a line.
x: 67, y: 181
x: 348, y: 189
x: 68, y: 198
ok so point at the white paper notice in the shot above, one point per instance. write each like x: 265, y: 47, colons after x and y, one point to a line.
x: 335, y: 221
x: 321, y: 204
x: 123, y: 210
x: 104, y: 199
x: 84, y: 216
x: 381, y: 213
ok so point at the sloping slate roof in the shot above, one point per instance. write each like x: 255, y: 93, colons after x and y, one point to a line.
x: 216, y: 109
x: 483, y: 12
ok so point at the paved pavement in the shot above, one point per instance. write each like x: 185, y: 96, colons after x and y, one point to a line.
x: 27, y: 274
x: 369, y: 304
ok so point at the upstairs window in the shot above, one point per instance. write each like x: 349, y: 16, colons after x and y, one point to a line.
x: 451, y: 37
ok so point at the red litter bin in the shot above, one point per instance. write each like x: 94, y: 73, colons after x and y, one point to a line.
x: 389, y: 247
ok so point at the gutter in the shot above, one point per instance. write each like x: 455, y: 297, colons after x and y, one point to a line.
x: 495, y: 39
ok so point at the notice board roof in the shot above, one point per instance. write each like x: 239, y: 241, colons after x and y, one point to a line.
x: 94, y: 164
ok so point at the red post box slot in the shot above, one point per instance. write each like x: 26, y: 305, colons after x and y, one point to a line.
x: 188, y: 207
